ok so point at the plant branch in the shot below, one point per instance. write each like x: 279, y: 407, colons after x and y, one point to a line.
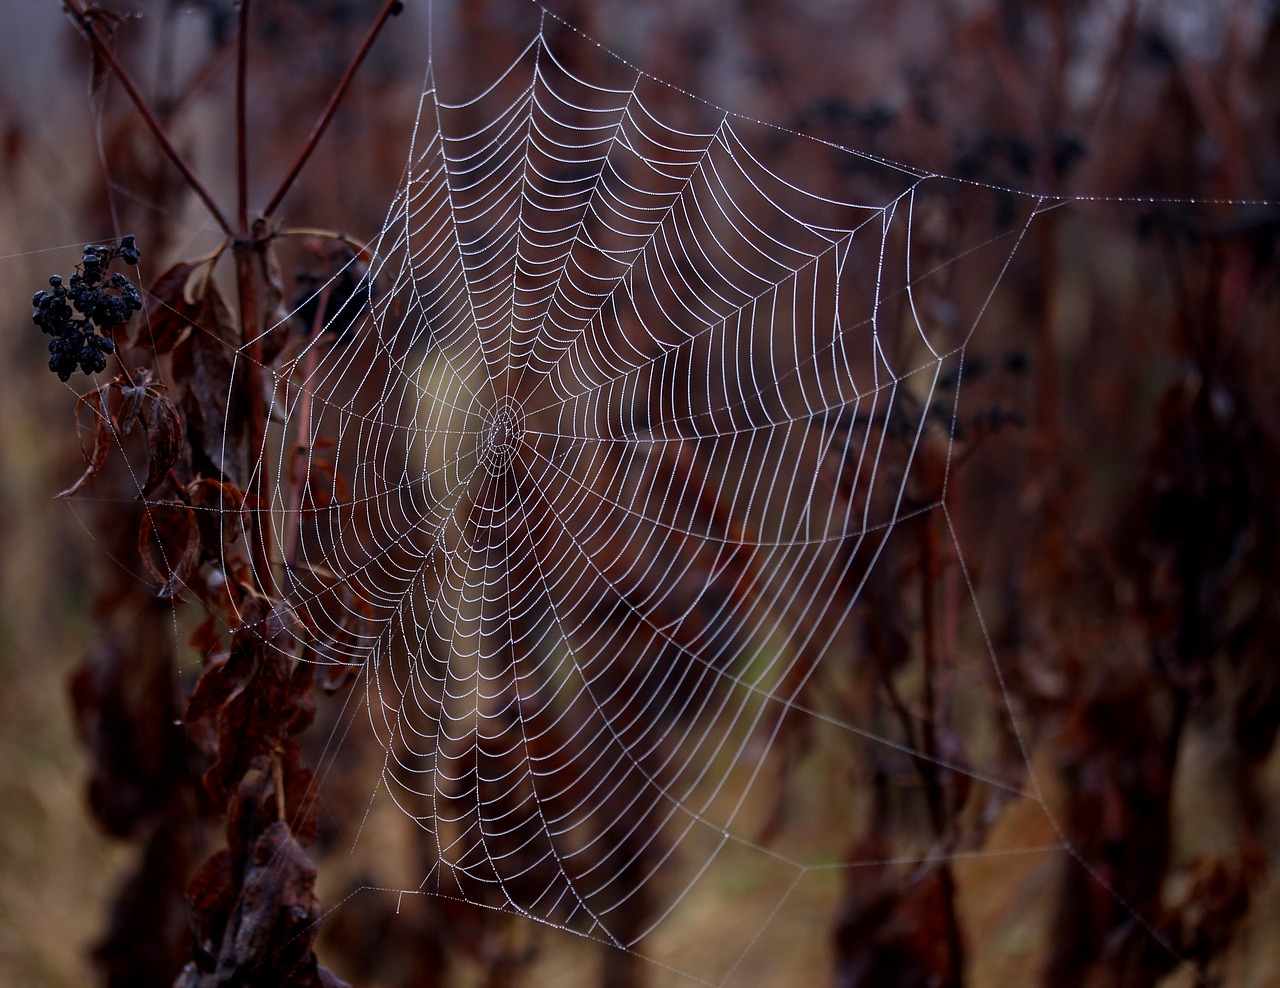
x: 242, y: 167
x: 259, y: 537
x: 102, y: 47
x: 326, y: 115
x: 364, y: 251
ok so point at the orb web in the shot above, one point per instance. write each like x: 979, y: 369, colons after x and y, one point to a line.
x: 635, y: 432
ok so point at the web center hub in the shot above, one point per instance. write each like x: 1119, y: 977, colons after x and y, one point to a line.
x: 501, y: 436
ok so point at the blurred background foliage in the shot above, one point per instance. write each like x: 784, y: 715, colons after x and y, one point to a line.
x: 1132, y: 577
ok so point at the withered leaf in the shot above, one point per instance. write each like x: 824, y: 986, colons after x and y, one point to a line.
x: 206, y: 639
x: 253, y: 718
x: 212, y: 895
x: 169, y: 545
x: 225, y: 675
x: 277, y: 917
x: 123, y: 700
x: 116, y: 409
x: 164, y: 440
x: 304, y: 705
x: 218, y: 505
x: 212, y: 403
x: 132, y: 397
x: 148, y: 936
x: 169, y: 316
x: 102, y: 432
x: 269, y: 935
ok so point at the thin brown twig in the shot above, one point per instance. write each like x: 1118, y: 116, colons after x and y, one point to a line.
x: 331, y: 107
x: 242, y: 166
x: 362, y: 249
x: 89, y: 26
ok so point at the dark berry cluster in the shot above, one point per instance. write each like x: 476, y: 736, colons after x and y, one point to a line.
x: 79, y: 315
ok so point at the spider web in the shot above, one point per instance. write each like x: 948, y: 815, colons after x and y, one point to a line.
x: 606, y: 475
x: 631, y: 421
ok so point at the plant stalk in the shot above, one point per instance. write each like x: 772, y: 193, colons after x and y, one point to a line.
x: 242, y: 166
x: 259, y: 536
x: 104, y: 51
x: 331, y: 107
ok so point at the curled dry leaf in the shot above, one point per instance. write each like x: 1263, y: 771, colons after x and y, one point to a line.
x: 169, y: 545
x: 148, y: 938
x: 255, y: 692
x: 169, y: 316
x: 102, y: 432
x: 218, y: 506
x: 164, y: 440
x: 265, y: 935
x: 299, y: 797
x: 204, y: 360
x: 123, y: 701
x: 117, y: 408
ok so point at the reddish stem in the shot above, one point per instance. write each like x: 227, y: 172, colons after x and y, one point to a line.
x: 935, y: 797
x: 259, y: 535
x: 89, y: 26
x: 326, y: 115
x: 242, y: 167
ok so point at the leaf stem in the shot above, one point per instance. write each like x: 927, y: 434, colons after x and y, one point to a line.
x: 326, y: 115
x: 89, y: 27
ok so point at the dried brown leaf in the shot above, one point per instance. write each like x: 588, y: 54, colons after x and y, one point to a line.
x: 206, y: 639
x: 169, y: 316
x: 169, y: 545
x: 123, y: 701
x: 277, y: 918
x: 103, y: 431
x: 213, y: 405
x: 226, y: 675
x: 218, y: 505
x: 132, y: 397
x: 212, y: 895
x: 164, y: 440
x: 253, y: 719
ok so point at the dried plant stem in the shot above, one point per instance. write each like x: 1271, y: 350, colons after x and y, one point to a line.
x: 259, y: 535
x: 928, y: 766
x: 326, y: 115
x: 363, y: 250
x: 88, y: 25
x: 242, y: 166
x: 302, y: 444
x: 277, y: 782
